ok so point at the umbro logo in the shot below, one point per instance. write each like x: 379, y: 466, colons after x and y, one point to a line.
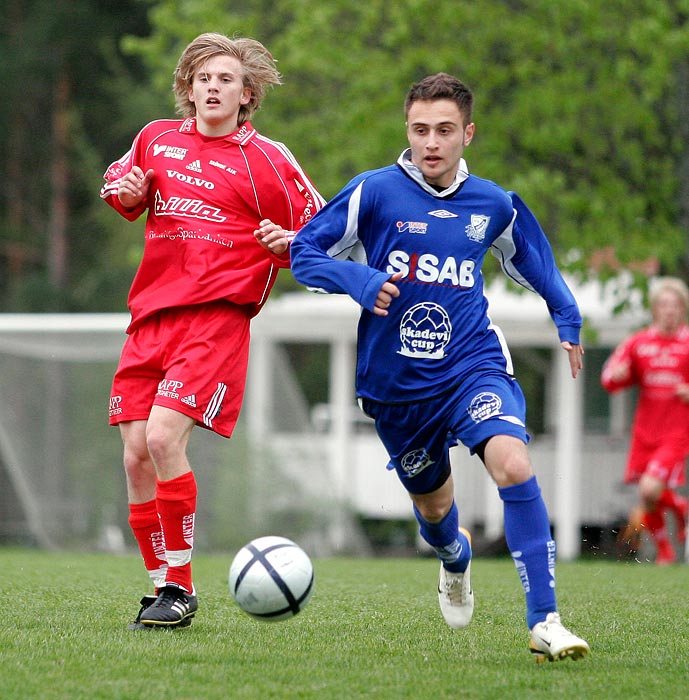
x: 442, y: 214
x: 195, y: 166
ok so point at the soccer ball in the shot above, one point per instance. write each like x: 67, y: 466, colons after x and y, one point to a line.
x: 271, y: 578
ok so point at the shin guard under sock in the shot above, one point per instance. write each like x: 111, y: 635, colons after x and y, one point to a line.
x: 148, y: 533
x: 176, y: 503
x: 451, y: 545
x: 527, y: 531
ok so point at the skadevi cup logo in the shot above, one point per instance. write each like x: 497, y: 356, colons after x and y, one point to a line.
x: 425, y: 331
x: 485, y: 405
x: 415, y: 461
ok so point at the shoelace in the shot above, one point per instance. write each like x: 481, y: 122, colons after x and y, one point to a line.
x: 554, y: 625
x: 453, y: 587
x: 168, y: 598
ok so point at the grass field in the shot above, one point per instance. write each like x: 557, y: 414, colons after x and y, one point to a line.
x: 372, y: 630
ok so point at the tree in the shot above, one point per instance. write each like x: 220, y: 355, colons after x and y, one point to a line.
x: 58, y: 111
x: 581, y: 107
x: 579, y: 104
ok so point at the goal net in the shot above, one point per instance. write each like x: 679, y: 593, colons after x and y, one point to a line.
x: 61, y: 476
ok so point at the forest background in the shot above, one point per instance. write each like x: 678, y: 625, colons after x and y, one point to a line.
x: 582, y: 106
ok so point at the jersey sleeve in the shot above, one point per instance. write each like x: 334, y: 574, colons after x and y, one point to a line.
x: 284, y: 192
x: 527, y: 258
x: 621, y: 356
x: 115, y: 172
x: 327, y: 254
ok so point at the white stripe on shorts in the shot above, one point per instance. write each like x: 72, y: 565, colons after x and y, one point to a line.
x: 214, y: 404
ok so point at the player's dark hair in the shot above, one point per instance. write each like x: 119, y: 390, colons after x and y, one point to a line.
x: 442, y: 86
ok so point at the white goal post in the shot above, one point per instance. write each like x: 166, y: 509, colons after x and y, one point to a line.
x: 60, y: 463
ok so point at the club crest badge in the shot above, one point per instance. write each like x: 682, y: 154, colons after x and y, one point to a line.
x: 476, y: 230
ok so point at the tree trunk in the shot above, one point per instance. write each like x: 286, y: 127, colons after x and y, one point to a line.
x: 59, y: 176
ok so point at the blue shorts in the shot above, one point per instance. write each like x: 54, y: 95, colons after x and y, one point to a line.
x: 418, y: 436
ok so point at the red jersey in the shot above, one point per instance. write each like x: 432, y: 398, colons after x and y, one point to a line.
x: 660, y: 433
x: 206, y: 198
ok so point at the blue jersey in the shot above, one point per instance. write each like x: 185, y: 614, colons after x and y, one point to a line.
x: 438, y: 331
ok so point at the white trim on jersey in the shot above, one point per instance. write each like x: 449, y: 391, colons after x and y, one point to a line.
x: 349, y: 246
x: 509, y: 367
x: 504, y: 250
x: 289, y: 156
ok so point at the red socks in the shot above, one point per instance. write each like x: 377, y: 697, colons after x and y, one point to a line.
x: 176, y: 505
x: 655, y: 522
x: 669, y: 500
x: 145, y: 524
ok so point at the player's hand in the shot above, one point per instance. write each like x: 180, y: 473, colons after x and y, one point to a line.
x: 133, y: 187
x: 575, y: 353
x: 272, y: 237
x: 388, y: 291
x: 682, y: 392
x: 619, y: 371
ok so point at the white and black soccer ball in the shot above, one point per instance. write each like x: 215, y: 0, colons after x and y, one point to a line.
x: 271, y: 578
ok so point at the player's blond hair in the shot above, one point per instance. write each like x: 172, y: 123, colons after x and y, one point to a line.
x: 669, y: 284
x: 257, y: 62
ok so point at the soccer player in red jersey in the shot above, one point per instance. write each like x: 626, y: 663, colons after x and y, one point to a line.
x: 223, y: 203
x: 656, y: 359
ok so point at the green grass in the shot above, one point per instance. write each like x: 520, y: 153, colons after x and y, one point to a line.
x: 372, y: 630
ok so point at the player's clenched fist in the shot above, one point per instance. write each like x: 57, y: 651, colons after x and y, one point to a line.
x: 133, y: 186
x: 387, y: 293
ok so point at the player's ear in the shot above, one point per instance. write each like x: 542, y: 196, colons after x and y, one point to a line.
x: 246, y: 97
x: 469, y: 133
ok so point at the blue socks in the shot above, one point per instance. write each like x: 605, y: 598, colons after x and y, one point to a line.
x: 451, y: 546
x: 527, y: 530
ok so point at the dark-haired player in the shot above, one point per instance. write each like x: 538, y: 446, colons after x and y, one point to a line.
x: 407, y: 242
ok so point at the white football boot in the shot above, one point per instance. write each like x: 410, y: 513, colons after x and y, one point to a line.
x: 552, y: 641
x: 455, y: 595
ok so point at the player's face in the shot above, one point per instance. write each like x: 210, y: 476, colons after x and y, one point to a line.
x: 668, y: 311
x: 437, y: 137
x: 217, y: 92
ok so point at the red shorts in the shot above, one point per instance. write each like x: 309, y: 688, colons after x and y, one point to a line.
x: 192, y: 359
x: 665, y: 462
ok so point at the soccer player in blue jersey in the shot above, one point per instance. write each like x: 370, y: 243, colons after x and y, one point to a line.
x: 407, y: 243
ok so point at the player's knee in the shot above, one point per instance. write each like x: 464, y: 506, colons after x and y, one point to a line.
x: 137, y: 463
x: 159, y: 444
x: 515, y: 469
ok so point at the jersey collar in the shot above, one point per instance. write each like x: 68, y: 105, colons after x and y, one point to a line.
x: 404, y: 161
x: 242, y: 136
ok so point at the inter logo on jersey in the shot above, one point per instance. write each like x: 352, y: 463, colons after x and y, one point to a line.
x: 169, y: 151
x: 412, y: 226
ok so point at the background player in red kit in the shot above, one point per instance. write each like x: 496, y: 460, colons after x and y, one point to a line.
x: 223, y: 203
x: 656, y: 359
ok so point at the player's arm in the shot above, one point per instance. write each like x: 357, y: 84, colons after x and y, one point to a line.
x: 527, y: 258
x: 617, y: 372
x: 284, y: 215
x: 326, y: 252
x: 126, y: 184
